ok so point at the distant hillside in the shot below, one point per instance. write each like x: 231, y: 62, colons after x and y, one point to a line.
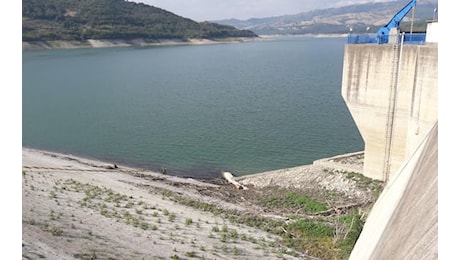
x: 361, y: 18
x: 49, y: 20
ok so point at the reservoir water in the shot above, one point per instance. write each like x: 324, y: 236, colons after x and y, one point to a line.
x: 196, y: 109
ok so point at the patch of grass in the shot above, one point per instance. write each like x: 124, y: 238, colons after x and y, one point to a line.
x: 294, y: 201
x: 233, y: 234
x: 355, y: 226
x: 172, y: 217
x: 364, y: 182
x: 236, y: 251
x: 225, y: 229
x: 188, y: 221
x: 190, y: 254
x: 144, y: 225
x: 55, y: 231
x: 129, y: 205
x: 315, y: 236
x: 104, y: 212
x: 307, y: 228
x: 318, y: 238
x: 90, y: 256
x: 223, y: 237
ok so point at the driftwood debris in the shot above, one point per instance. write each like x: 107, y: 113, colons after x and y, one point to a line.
x: 230, y: 178
x: 110, y: 167
x: 339, y: 209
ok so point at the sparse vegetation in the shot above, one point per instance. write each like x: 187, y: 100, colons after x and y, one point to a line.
x: 172, y: 217
x: 310, y: 225
x: 294, y: 201
x: 236, y: 251
x: 188, y: 221
x: 319, y: 236
x: 144, y: 225
x: 363, y: 182
x: 54, y: 230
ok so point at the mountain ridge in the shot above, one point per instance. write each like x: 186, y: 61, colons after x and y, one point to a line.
x: 368, y: 17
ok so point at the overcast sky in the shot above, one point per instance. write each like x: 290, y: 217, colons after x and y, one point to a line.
x: 208, y: 10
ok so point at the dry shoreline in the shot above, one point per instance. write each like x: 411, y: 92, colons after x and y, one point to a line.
x: 70, y: 211
x: 79, y: 208
x: 92, y: 43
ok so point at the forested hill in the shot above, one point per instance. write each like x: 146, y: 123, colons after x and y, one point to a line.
x: 48, y: 20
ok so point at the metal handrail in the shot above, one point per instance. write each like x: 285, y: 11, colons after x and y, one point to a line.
x: 370, y: 38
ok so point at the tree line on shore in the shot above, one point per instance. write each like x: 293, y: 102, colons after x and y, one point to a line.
x: 48, y: 20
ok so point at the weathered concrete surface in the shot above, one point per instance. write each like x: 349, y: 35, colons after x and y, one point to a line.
x: 369, y: 73
x: 403, y: 223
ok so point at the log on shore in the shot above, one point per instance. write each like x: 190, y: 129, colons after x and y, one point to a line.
x: 231, y: 179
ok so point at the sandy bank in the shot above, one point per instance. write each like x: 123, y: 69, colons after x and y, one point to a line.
x: 78, y: 208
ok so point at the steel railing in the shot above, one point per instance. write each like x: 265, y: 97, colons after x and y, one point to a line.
x: 409, y: 38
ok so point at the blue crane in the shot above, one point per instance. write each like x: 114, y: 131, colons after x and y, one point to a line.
x: 384, y: 32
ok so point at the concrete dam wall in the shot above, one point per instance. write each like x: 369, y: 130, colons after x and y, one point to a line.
x: 391, y: 91
x: 403, y: 223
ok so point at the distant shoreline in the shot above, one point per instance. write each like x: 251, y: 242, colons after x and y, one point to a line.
x: 319, y: 35
x: 108, y: 43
